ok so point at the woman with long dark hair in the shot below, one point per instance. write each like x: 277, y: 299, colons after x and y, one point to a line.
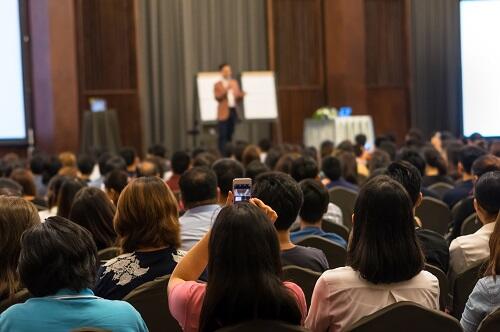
x: 243, y: 256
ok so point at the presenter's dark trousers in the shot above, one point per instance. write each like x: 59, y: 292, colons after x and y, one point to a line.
x: 226, y: 129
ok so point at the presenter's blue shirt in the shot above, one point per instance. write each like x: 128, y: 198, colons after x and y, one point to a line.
x: 68, y: 310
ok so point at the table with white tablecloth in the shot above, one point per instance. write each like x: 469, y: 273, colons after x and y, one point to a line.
x: 338, y: 130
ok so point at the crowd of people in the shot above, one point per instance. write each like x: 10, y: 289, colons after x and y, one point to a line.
x: 174, y: 215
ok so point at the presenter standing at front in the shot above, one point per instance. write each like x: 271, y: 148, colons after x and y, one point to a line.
x: 228, y: 93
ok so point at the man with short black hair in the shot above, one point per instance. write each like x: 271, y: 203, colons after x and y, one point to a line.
x: 332, y: 169
x: 283, y: 195
x: 226, y: 171
x: 85, y: 164
x: 304, y: 168
x: 181, y: 161
x: 131, y: 159
x: 199, y: 195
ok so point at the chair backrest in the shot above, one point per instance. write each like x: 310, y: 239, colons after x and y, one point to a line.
x: 335, y: 254
x: 305, y: 278
x: 440, y: 188
x: 344, y: 199
x: 443, y: 284
x: 408, y: 317
x: 263, y: 326
x: 150, y: 299
x: 491, y: 323
x: 108, y: 253
x: 463, y: 286
x: 470, y: 225
x: 331, y: 227
x: 434, y: 214
x: 20, y: 297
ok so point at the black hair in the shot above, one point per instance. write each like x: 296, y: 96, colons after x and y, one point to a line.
x: 383, y: 247
x: 413, y: 157
x: 485, y: 164
x: 408, y: 176
x: 332, y: 168
x: 51, y: 168
x: 379, y: 160
x: 198, y: 186
x: 265, y: 144
x: 487, y: 192
x: 414, y: 138
x: 273, y: 155
x: 304, y: 168
x: 128, y: 154
x: 206, y: 159
x: 67, y: 194
x: 222, y: 65
x: 85, y: 164
x: 226, y: 171
x: 180, y: 162
x: 346, y: 146
x: 113, y: 163
x: 326, y: 148
x: 360, y: 139
x: 93, y: 210
x: 468, y: 155
x: 349, y: 166
x: 9, y: 187
x: 434, y: 159
x: 37, y: 163
x: 101, y: 162
x: 255, y: 168
x: 379, y: 140
x: 157, y: 150
x: 244, y: 252
x: 239, y: 148
x: 116, y: 180
x: 316, y: 200
x: 57, y: 254
x: 282, y: 193
x: 390, y: 148
x: 312, y: 152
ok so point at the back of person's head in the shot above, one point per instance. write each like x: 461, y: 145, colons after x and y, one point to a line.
x: 147, y: 216
x: 379, y: 159
x: 468, y: 155
x: 238, y: 150
x: 485, y: 164
x: 115, y: 162
x: 226, y: 171
x: 114, y: 183
x: 332, y: 168
x: 101, y: 162
x: 17, y: 215
x: 345, y: 146
x: 316, y: 200
x: 244, y: 252
x: 10, y: 187
x: 57, y: 254
x: 408, y: 176
x: 304, y: 168
x: 129, y: 155
x: 414, y: 138
x: 25, y: 178
x: 93, y: 210
x: 147, y: 168
x: 265, y: 144
x: 51, y: 168
x: 255, y: 168
x: 67, y: 194
x: 251, y: 153
x: 312, y: 152
x: 349, y: 166
x: 198, y: 187
x: 413, y: 157
x: 360, y: 139
x: 157, y: 150
x: 487, y: 193
x: 273, y: 155
x: 326, y: 149
x: 53, y: 189
x: 180, y: 162
x: 390, y: 148
x: 282, y: 193
x: 68, y: 159
x: 383, y: 247
x: 434, y: 159
x: 37, y: 163
x: 85, y: 164
x: 204, y: 159
x: 284, y: 164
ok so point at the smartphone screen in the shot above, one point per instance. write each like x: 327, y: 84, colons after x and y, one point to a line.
x: 242, y: 192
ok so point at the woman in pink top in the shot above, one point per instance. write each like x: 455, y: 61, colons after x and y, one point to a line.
x: 384, y: 258
x: 243, y: 256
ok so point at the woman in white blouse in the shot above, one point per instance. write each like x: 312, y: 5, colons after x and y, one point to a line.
x: 384, y: 262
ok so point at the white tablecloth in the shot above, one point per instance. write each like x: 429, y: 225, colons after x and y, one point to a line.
x: 338, y: 130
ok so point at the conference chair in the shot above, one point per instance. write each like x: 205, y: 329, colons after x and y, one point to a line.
x: 335, y: 254
x: 344, y: 199
x: 19, y: 297
x: 463, y: 286
x: 470, y: 225
x: 331, y: 227
x: 434, y: 214
x: 303, y: 277
x: 443, y: 284
x: 407, y: 317
x: 263, y: 326
x: 440, y: 188
x: 491, y: 323
x: 150, y: 299
x: 108, y: 253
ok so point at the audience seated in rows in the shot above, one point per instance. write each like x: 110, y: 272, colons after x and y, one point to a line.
x: 385, y: 262
x: 469, y: 250
x: 434, y: 246
x: 199, y: 197
x: 57, y: 265
x: 147, y: 225
x: 283, y: 194
x: 315, y: 205
x: 227, y: 170
x: 242, y: 253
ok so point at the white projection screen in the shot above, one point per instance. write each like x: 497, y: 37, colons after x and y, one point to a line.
x: 480, y: 35
x: 12, y: 102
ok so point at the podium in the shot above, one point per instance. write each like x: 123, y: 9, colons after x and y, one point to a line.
x: 100, y: 130
x: 338, y: 129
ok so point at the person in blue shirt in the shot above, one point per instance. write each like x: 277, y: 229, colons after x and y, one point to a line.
x: 332, y: 169
x: 58, y: 266
x: 315, y: 205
